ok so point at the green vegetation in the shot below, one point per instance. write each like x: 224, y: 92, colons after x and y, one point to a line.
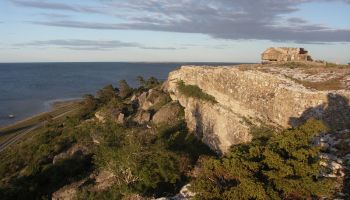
x: 144, y: 163
x: 59, y: 112
x: 151, y: 82
x: 124, y: 89
x: 194, y: 92
x: 106, y: 94
x: 158, y: 160
x: 150, y: 162
x: 282, y: 166
x: 293, y: 65
x: 29, y: 163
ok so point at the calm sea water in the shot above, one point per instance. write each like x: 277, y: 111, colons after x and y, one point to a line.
x: 28, y: 88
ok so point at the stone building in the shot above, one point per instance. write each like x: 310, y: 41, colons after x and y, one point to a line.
x: 280, y: 54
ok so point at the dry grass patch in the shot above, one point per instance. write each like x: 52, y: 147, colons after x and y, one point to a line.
x: 333, y: 84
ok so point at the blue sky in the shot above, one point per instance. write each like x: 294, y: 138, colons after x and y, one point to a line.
x: 170, y: 30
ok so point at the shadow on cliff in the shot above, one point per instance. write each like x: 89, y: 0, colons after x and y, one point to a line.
x: 335, y: 115
x: 205, y: 131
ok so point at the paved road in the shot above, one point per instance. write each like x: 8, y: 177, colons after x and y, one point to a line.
x: 16, y: 137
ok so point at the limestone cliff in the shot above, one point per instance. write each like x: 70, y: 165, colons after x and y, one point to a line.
x: 254, y: 95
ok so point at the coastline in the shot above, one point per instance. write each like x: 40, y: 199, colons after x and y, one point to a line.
x: 52, y: 107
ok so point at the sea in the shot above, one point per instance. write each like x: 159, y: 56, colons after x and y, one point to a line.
x: 27, y: 89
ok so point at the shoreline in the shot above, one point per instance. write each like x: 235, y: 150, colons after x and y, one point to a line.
x: 51, y: 107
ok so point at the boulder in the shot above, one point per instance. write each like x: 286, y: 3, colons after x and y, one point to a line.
x: 100, y: 117
x: 121, y: 118
x: 76, y: 151
x: 152, y: 98
x: 168, y: 114
x: 184, y: 194
x: 142, y: 98
x: 68, y: 192
x: 103, y: 180
x: 142, y: 117
x: 133, y: 98
x: 59, y: 157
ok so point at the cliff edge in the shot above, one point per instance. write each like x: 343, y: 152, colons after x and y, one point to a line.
x: 248, y: 96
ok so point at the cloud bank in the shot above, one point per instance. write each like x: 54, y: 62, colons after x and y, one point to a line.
x: 76, y: 44
x: 224, y: 19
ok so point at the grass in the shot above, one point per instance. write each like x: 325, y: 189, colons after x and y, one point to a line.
x: 332, y: 84
x: 195, y: 92
x: 293, y: 65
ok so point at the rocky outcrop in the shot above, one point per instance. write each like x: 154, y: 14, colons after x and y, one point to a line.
x: 251, y: 96
x: 168, y: 114
x: 102, y: 180
x: 142, y: 117
x: 184, y: 194
x: 68, y: 192
x: 152, y: 98
x: 77, y: 152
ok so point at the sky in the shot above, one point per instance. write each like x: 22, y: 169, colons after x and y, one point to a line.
x: 171, y: 30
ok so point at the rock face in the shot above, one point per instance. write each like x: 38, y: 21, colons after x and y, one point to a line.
x: 68, y: 192
x: 102, y: 179
x: 167, y: 114
x: 184, y: 194
x: 77, y: 151
x: 149, y: 99
x: 252, y: 95
x: 142, y: 117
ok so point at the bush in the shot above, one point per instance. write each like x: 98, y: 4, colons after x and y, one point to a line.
x: 285, y: 166
x: 124, y: 89
x: 194, y: 92
x: 90, y: 104
x: 151, y: 82
x: 106, y: 94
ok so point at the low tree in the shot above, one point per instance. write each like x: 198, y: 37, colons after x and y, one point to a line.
x: 124, y: 89
x: 90, y: 104
x: 151, y: 82
x: 106, y: 94
x: 141, y: 81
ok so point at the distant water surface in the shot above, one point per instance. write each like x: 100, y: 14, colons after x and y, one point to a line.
x: 26, y: 88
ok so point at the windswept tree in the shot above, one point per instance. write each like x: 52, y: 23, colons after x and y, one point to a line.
x: 106, y: 94
x: 141, y: 81
x: 124, y: 89
x: 90, y: 103
x: 151, y: 82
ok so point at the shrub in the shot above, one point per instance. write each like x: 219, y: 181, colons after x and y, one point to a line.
x: 194, y: 92
x: 90, y: 104
x: 177, y: 138
x: 106, y: 94
x: 124, y: 89
x: 139, y: 164
x: 151, y: 82
x: 285, y: 166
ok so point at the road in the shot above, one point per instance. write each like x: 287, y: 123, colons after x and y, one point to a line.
x: 16, y: 137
